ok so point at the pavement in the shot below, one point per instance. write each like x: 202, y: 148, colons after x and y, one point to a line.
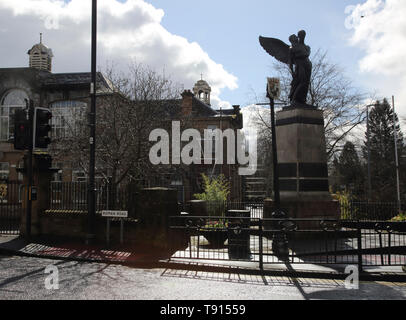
x: 28, y: 278
x: 143, y: 257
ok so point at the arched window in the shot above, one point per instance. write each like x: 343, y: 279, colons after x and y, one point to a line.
x: 9, y: 103
x: 67, y: 118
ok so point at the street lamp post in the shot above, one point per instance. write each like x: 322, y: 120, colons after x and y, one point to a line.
x: 279, y: 241
x: 369, y: 155
x: 92, y: 124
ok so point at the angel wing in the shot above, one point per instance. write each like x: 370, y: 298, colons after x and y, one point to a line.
x: 276, y: 48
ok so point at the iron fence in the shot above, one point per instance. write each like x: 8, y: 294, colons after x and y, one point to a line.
x: 11, y: 194
x: 220, y: 208
x: 370, y: 211
x: 73, y: 196
x: 307, y: 241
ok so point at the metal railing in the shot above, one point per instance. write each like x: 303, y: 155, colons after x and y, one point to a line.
x: 256, y: 208
x: 11, y: 194
x: 307, y: 241
x: 369, y: 211
x: 73, y: 196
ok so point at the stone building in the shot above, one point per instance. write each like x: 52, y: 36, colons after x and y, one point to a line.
x: 62, y: 92
x: 193, y: 111
x: 197, y: 113
x: 67, y: 94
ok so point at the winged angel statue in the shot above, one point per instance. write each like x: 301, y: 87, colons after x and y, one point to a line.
x: 297, y: 57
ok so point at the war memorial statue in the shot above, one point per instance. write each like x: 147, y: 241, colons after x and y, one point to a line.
x: 301, y: 183
x: 297, y: 57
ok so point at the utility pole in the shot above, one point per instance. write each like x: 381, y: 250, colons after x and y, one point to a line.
x: 369, y: 156
x: 91, y: 203
x: 396, y: 155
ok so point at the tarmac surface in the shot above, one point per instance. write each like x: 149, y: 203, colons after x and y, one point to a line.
x: 135, y: 273
x: 145, y: 257
x: 27, y: 278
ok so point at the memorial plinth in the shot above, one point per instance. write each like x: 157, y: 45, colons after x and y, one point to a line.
x: 302, y: 166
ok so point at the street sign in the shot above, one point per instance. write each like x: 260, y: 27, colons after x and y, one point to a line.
x: 114, y: 214
x: 274, y: 88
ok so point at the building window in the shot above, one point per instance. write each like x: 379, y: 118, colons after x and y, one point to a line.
x: 79, y: 176
x: 4, y: 170
x: 58, y: 176
x: 11, y: 101
x: 20, y: 175
x: 67, y: 118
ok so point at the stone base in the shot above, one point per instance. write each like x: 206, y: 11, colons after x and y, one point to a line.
x: 302, y: 158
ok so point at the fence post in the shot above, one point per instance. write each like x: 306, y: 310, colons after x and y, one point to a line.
x: 359, y: 246
x: 261, y: 247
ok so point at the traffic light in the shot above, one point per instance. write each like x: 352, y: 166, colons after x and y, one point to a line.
x: 42, y: 127
x: 21, y: 130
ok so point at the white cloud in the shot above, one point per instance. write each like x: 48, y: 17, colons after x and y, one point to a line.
x: 127, y: 31
x: 382, y: 36
x: 251, y: 115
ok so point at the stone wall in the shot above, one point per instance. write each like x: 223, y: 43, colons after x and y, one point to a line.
x: 149, y: 226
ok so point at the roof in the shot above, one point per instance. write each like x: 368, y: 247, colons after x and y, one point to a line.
x: 226, y: 112
x: 202, y: 83
x: 74, y: 79
x: 202, y: 109
x: 42, y: 48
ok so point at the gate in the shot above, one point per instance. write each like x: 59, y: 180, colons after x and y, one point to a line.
x: 10, y: 207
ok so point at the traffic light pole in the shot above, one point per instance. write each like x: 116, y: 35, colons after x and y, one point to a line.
x: 92, y: 124
x: 29, y: 169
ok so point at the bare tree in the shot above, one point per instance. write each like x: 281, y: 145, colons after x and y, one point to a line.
x: 136, y: 104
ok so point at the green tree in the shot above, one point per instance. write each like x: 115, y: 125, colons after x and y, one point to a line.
x: 382, y: 151
x: 350, y: 171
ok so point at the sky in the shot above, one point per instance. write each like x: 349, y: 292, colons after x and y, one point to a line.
x: 185, y: 39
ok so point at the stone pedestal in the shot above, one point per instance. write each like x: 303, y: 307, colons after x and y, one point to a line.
x: 302, y: 164
x: 198, y: 208
x: 154, y: 208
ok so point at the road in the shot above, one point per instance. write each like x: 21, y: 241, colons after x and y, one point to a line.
x: 25, y: 278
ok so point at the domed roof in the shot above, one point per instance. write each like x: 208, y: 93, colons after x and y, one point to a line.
x: 43, y: 49
x: 201, y: 84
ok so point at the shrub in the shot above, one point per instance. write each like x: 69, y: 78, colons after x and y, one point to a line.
x: 400, y: 218
x: 344, y: 198
x: 216, y: 191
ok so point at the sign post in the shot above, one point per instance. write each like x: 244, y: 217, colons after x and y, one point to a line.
x: 110, y: 214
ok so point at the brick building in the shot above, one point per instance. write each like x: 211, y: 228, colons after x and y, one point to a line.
x: 64, y: 93
x: 196, y: 113
x: 67, y: 94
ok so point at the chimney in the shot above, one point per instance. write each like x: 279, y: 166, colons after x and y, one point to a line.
x: 187, y: 102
